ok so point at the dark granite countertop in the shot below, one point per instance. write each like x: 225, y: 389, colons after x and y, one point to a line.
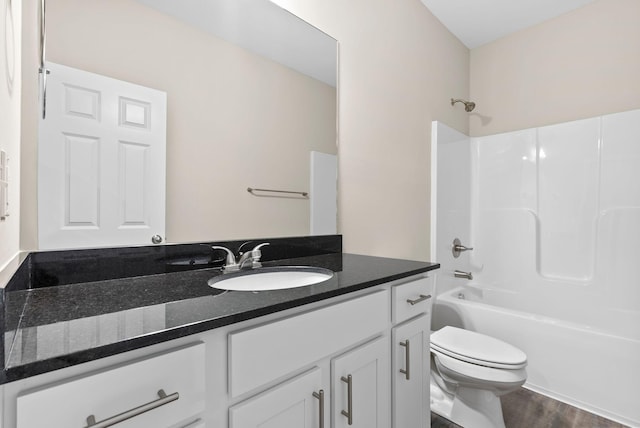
x: 52, y: 327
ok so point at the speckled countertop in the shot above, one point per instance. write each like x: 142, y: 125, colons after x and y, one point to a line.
x: 62, y: 324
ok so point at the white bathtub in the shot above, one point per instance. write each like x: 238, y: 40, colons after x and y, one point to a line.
x: 594, y: 369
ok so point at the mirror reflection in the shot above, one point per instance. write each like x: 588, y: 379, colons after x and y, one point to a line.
x: 251, y: 92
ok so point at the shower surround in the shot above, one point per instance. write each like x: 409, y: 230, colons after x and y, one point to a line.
x: 553, y: 214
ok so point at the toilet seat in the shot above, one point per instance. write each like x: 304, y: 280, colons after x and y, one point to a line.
x: 476, y: 348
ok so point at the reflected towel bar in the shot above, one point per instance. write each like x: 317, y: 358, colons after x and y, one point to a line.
x: 252, y: 190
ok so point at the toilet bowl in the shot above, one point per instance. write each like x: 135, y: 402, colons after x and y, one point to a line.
x: 469, y: 373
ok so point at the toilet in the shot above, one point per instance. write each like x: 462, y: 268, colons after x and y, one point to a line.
x: 469, y: 373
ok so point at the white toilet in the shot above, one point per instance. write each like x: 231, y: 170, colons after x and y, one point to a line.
x: 469, y: 373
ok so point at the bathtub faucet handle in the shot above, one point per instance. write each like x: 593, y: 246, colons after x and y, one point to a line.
x: 458, y: 248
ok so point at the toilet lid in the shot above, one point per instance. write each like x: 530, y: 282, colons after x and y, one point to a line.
x: 477, y: 348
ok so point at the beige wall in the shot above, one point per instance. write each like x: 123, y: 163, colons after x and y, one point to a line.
x: 398, y: 69
x: 235, y: 119
x: 10, y: 85
x: 582, y: 64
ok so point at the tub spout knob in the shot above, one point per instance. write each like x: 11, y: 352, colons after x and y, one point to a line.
x: 458, y: 248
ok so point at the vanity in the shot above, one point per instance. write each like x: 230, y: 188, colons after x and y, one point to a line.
x: 136, y: 337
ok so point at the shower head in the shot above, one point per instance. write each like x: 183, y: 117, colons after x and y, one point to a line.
x: 468, y: 105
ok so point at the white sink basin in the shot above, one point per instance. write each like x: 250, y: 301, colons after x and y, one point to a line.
x: 270, y: 278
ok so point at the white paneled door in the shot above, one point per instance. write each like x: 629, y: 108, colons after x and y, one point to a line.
x: 101, y: 162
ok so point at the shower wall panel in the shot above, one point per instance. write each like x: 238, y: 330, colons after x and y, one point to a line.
x: 568, y: 156
x: 619, y: 226
x: 557, y: 210
x: 453, y: 202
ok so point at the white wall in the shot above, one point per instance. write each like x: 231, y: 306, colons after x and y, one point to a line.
x: 10, y: 90
x: 556, y: 213
x: 553, y: 214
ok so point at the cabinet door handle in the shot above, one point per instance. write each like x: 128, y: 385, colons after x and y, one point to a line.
x: 320, y: 396
x: 349, y: 413
x: 164, y: 399
x: 407, y: 359
x: 419, y: 299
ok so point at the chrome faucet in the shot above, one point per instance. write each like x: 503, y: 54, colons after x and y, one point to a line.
x: 230, y: 263
x: 247, y: 260
x: 461, y: 274
x: 252, y: 257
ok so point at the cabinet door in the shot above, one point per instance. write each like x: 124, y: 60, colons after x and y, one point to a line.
x: 360, y: 386
x: 410, y: 373
x: 288, y: 405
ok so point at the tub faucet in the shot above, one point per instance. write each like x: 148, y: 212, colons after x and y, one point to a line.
x: 461, y: 274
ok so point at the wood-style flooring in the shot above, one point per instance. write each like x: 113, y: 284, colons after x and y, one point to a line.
x: 526, y: 409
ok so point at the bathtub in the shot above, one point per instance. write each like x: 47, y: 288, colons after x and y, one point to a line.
x: 595, y: 369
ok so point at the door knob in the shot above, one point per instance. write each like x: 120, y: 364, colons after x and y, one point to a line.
x: 156, y: 239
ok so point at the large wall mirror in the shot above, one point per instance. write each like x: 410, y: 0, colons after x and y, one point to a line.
x: 251, y: 92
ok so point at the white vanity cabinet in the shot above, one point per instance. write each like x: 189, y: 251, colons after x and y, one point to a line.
x: 368, y: 355
x: 353, y: 378
x: 337, y: 363
x: 295, y: 403
x: 361, y: 388
x: 357, y: 395
x: 410, y: 373
x: 410, y: 353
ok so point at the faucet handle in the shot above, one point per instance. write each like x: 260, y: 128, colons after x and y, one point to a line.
x: 458, y: 248
x: 256, y: 249
x: 230, y: 264
x: 257, y: 254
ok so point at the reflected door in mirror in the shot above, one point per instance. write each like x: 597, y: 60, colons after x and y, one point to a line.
x: 101, y: 162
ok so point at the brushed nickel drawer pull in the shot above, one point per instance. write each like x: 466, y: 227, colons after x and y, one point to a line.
x: 349, y: 413
x: 418, y: 300
x: 407, y: 360
x: 320, y: 396
x: 164, y: 399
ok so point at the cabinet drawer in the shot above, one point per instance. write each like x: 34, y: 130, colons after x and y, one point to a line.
x: 411, y: 299
x: 265, y: 353
x: 118, y: 390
